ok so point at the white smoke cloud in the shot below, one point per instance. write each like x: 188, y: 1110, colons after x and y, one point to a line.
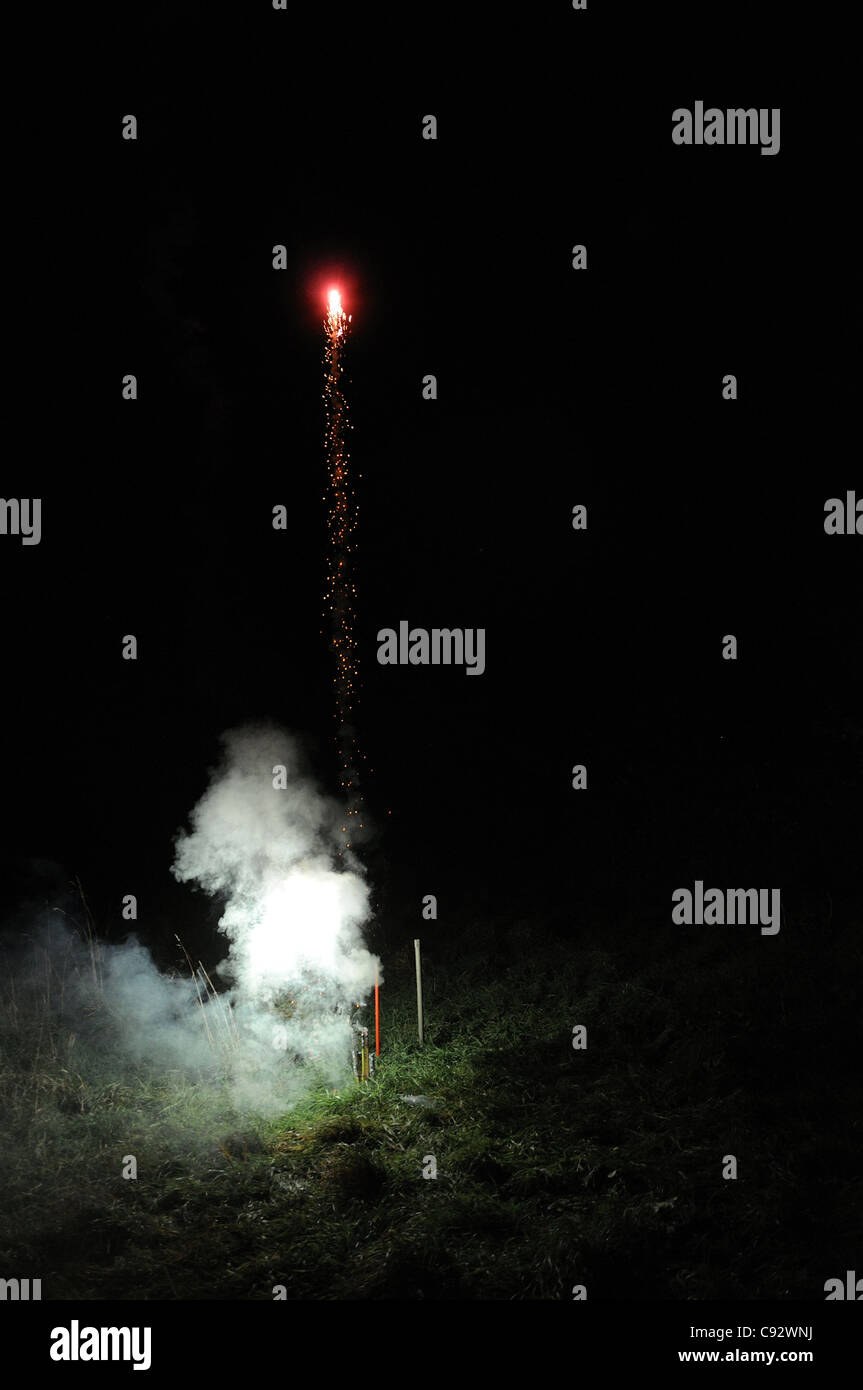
x: 293, y: 916
x: 296, y: 966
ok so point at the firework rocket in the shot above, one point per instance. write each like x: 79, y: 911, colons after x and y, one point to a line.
x: 341, y: 590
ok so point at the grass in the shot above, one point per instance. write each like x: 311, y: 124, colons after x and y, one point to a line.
x: 554, y: 1167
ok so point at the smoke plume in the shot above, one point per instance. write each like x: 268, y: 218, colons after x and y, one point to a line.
x: 264, y: 841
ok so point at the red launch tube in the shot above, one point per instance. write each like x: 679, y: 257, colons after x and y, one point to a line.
x: 377, y: 1015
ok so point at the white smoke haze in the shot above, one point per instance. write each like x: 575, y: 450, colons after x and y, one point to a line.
x: 296, y: 965
x: 293, y: 918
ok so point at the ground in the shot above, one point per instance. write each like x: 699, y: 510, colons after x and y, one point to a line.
x: 555, y: 1167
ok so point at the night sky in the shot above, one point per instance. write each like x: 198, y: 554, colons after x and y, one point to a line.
x: 556, y: 387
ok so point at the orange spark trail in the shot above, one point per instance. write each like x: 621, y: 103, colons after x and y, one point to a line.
x: 341, y: 591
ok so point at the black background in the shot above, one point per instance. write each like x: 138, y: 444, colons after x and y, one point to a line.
x: 556, y: 387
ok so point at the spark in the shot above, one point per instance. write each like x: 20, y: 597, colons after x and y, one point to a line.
x: 340, y: 596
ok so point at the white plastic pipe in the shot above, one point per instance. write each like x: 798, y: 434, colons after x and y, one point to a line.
x: 419, y: 990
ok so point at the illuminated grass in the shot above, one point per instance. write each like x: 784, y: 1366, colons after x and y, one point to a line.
x: 554, y: 1167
